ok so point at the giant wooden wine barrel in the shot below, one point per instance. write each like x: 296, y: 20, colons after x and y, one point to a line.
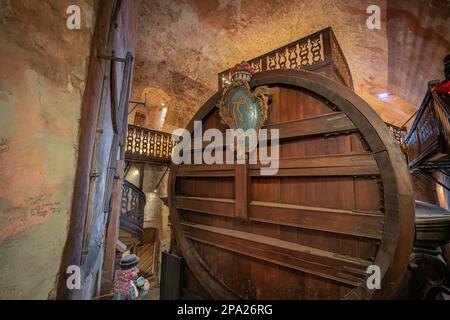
x: 342, y: 200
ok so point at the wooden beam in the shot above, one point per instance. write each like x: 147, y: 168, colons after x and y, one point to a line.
x: 348, y: 222
x: 307, y: 259
x: 325, y: 124
x: 363, y: 224
x: 358, y: 164
x: 214, y: 206
x: 204, y: 170
x: 112, y: 233
x: 331, y: 123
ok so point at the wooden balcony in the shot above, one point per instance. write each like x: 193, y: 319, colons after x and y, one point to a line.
x: 398, y: 133
x: 132, y: 211
x: 428, y: 140
x: 318, y: 52
x: 148, y: 146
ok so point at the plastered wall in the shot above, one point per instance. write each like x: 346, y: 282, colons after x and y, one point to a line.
x: 43, y: 71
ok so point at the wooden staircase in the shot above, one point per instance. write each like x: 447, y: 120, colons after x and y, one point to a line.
x: 427, y: 144
x: 143, y: 147
x: 132, y: 211
x: 147, y: 253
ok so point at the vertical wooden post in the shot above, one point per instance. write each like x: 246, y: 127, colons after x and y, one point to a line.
x: 112, y: 233
x: 241, y: 190
x: 88, y: 126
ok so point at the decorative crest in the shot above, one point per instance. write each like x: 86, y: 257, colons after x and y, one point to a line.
x: 240, y: 108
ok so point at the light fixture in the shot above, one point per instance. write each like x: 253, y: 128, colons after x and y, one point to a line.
x: 135, y: 173
x: 384, y: 95
x: 163, y: 114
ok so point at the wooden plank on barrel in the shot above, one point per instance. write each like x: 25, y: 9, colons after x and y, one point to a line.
x: 241, y: 194
x: 353, y: 164
x: 358, y: 164
x: 291, y: 255
x: 363, y: 224
x: 215, y: 206
x: 330, y: 123
x: 325, y: 124
x: 207, y: 170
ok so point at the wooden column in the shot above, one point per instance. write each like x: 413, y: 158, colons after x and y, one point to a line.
x: 241, y: 190
x: 88, y: 125
x: 112, y: 233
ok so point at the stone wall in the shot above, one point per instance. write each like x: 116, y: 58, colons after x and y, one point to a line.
x: 156, y: 213
x: 184, y: 44
x: 43, y: 70
x: 419, y: 39
x: 42, y: 88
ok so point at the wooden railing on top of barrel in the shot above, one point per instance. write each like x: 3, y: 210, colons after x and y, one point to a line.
x: 147, y: 145
x: 309, y: 53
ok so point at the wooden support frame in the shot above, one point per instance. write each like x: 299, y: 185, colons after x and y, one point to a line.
x: 241, y: 182
x: 102, y: 40
x: 89, y: 118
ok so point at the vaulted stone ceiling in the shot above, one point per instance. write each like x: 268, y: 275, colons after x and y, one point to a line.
x: 183, y: 44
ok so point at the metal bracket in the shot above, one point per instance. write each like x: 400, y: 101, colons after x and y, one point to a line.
x: 137, y: 103
x: 111, y: 58
x: 94, y: 175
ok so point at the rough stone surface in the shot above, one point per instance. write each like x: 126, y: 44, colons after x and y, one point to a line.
x: 43, y: 69
x: 183, y: 44
x: 419, y: 38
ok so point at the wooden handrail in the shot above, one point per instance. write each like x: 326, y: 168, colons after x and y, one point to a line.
x: 147, y: 145
x: 430, y: 132
x: 132, y: 211
x: 309, y: 53
x: 442, y: 109
x: 398, y: 133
